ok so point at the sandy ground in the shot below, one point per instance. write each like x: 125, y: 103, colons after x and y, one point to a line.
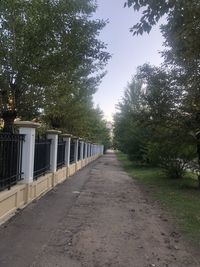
x: 99, y: 217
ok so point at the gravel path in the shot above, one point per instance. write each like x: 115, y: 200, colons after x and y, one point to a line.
x: 99, y: 217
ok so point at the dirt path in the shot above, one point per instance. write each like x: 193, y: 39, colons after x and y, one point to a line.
x: 98, y: 218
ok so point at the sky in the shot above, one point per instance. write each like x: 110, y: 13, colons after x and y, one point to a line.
x: 128, y: 52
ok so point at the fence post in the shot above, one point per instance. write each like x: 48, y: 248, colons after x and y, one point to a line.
x: 102, y: 150
x: 53, y: 135
x: 76, y: 140
x: 81, y: 151
x: 67, y: 139
x: 92, y: 150
x: 76, y: 149
x: 95, y: 150
x: 86, y: 146
x: 89, y: 152
x: 28, y: 129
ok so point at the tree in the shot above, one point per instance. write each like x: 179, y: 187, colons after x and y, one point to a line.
x: 129, y: 136
x: 149, y: 125
x: 45, y: 43
x: 96, y: 128
x: 182, y: 53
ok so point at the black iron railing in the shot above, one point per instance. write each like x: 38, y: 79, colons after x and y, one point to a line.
x: 79, y: 150
x: 61, y: 153
x: 10, y: 159
x: 88, y: 152
x: 42, y: 157
x: 84, y: 147
x: 72, y: 151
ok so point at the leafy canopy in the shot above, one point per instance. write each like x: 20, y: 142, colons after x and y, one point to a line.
x: 43, y: 42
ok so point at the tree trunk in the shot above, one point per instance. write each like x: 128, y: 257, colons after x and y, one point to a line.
x: 9, y: 117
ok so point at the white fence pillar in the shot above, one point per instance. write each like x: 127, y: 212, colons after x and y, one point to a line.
x: 76, y: 149
x: 102, y: 149
x: 28, y: 152
x: 92, y: 149
x: 89, y: 150
x: 53, y: 135
x: 86, y: 147
x: 81, y: 151
x: 67, y: 139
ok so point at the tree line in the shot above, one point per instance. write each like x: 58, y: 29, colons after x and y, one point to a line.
x: 158, y: 119
x: 51, y: 63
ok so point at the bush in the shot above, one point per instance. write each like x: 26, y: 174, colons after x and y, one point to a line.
x: 174, y: 158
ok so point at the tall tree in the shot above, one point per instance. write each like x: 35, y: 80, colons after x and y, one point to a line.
x: 149, y: 126
x: 181, y: 32
x: 129, y: 135
x: 43, y: 42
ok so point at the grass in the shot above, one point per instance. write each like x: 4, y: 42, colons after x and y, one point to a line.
x: 180, y: 197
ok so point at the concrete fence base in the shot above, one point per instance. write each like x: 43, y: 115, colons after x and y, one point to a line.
x: 21, y: 194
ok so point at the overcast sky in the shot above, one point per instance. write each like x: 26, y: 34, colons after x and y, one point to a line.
x: 127, y: 51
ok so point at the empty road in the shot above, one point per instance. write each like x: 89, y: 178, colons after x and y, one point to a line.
x: 100, y: 217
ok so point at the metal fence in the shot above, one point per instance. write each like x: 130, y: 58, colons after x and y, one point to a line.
x: 10, y: 159
x: 72, y: 151
x: 61, y: 153
x: 88, y: 152
x: 84, y: 147
x: 42, y: 157
x: 79, y: 151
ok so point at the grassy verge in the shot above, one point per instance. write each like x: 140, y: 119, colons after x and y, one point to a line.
x: 181, y: 197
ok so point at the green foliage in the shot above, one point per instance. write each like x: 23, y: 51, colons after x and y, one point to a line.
x: 172, y: 157
x: 94, y: 127
x: 152, y: 12
x: 51, y: 61
x: 129, y: 137
x: 45, y: 43
x: 149, y: 126
x: 173, y: 97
